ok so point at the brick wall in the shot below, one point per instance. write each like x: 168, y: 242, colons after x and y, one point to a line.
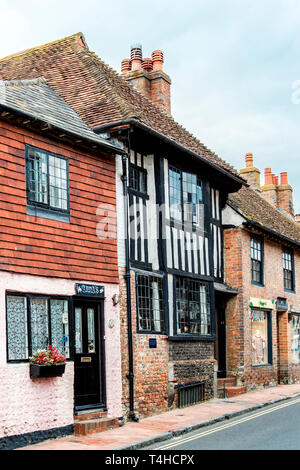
x: 238, y: 312
x: 157, y: 371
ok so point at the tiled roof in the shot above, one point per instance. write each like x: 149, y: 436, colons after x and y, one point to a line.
x: 96, y: 92
x: 256, y: 209
x: 37, y: 100
x: 101, y: 96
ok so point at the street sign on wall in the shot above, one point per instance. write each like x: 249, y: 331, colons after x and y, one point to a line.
x: 89, y: 290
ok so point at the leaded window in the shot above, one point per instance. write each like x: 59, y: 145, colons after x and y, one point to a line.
x: 193, y: 313
x: 256, y: 249
x: 150, y: 303
x: 288, y: 269
x: 47, y: 180
x: 34, y: 322
x: 186, y: 197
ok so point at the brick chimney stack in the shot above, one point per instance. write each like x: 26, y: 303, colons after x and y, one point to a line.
x: 285, y: 195
x: 250, y: 173
x: 297, y: 218
x: 269, y: 189
x: 148, y: 77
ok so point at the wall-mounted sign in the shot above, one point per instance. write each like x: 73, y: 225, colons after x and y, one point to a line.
x: 261, y: 303
x: 281, y: 304
x: 90, y: 290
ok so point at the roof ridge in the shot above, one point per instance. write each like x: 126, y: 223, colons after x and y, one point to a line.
x: 78, y: 35
x: 283, y: 218
x: 26, y: 82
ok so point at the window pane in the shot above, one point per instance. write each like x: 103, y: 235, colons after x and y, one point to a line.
x: 295, y: 338
x: 58, y: 183
x: 150, y: 303
x: 38, y: 177
x: 256, y: 261
x: 138, y: 179
x: 193, y: 307
x: 78, y: 330
x: 17, y: 328
x: 175, y: 194
x: 288, y: 274
x: 60, y: 326
x: 259, y: 337
x: 91, y: 330
x: 39, y: 324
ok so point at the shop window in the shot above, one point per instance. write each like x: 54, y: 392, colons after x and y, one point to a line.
x: 149, y: 303
x: 256, y: 251
x: 193, y: 313
x: 47, y: 180
x: 288, y: 269
x: 261, y: 337
x: 295, y: 338
x: 33, y: 323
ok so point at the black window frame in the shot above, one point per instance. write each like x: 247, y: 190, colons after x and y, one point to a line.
x: 259, y: 240
x: 289, y: 252
x: 143, y: 173
x: 162, y: 320
x: 47, y: 207
x: 29, y: 296
x: 199, y: 183
x: 210, y: 306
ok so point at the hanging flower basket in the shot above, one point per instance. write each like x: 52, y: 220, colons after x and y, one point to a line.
x: 47, y: 363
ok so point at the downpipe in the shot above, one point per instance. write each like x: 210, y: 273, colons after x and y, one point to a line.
x: 130, y: 375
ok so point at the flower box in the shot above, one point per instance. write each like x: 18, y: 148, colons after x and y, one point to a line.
x: 39, y: 371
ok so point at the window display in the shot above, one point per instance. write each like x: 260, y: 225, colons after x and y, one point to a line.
x: 259, y: 337
x: 295, y: 338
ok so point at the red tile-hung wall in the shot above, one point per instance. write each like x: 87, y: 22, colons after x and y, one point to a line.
x: 45, y: 247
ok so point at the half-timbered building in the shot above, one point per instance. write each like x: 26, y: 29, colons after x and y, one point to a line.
x: 170, y: 193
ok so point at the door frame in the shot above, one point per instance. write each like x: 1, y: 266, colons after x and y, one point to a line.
x: 99, y: 304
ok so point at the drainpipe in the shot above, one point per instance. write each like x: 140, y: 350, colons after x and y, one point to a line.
x: 130, y: 375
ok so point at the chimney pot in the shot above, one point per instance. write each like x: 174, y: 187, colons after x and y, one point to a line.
x: 268, y: 176
x: 147, y: 64
x: 136, y: 57
x: 157, y: 59
x: 249, y: 159
x: 283, y: 178
x: 125, y: 65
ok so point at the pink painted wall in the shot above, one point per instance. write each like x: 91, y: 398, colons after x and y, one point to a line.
x: 28, y: 405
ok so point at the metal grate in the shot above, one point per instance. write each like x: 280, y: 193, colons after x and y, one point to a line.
x: 190, y: 394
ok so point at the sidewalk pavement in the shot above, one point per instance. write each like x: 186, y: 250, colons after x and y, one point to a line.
x: 133, y: 436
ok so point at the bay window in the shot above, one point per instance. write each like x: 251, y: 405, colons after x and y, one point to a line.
x: 193, y: 313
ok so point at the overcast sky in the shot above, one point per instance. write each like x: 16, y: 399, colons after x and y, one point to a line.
x: 234, y: 64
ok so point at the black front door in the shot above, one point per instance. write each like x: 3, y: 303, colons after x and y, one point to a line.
x: 88, y: 355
